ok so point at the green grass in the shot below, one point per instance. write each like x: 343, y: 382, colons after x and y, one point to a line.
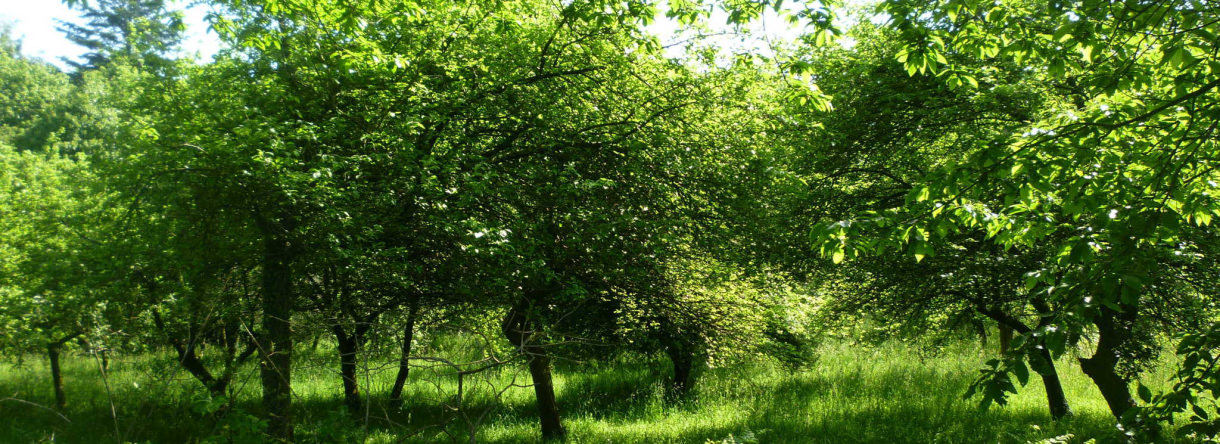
x: 886, y: 394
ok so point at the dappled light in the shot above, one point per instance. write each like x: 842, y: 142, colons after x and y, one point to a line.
x: 588, y: 221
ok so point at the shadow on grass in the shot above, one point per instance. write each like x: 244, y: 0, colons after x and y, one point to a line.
x: 615, y: 403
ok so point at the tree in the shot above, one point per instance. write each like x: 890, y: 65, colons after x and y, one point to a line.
x: 35, y: 96
x: 1111, y: 176
x: 144, y: 32
x: 55, y: 207
x: 529, y: 156
x: 322, y: 128
x: 210, y: 139
x: 46, y: 303
x: 886, y: 131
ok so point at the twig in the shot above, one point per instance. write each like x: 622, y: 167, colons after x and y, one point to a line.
x: 22, y: 401
x: 118, y: 438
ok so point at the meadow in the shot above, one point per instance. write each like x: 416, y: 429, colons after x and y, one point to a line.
x: 611, y: 190
x: 893, y: 393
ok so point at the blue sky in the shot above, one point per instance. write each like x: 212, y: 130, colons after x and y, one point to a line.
x: 34, y: 23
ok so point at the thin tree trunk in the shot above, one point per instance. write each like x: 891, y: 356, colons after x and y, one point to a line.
x: 347, y: 345
x: 521, y: 332
x: 275, y: 367
x: 188, y: 358
x: 231, y: 365
x: 404, y: 367
x: 57, y: 379
x: 1055, y: 397
x: 190, y: 361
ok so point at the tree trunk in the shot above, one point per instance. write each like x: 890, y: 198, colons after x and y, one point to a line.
x: 1113, y: 387
x: 57, y: 379
x: 683, y: 360
x: 275, y: 367
x: 1055, y: 397
x: 348, y: 346
x: 1102, y: 366
x: 1005, y: 339
x: 188, y: 358
x: 404, y: 367
x: 544, y: 391
x: 190, y: 361
x: 232, y: 364
x: 521, y: 332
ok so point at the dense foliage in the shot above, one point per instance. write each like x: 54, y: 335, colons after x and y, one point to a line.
x: 553, y: 184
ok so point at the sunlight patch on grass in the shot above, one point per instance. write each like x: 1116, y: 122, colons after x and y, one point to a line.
x: 893, y: 393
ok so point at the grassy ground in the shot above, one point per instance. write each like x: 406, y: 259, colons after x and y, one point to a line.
x: 887, y: 394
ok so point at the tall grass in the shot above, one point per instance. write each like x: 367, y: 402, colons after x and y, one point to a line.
x: 893, y: 393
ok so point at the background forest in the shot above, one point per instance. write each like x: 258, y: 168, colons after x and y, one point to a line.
x: 524, y: 220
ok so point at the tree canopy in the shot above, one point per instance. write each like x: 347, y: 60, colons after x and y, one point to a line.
x: 551, y: 181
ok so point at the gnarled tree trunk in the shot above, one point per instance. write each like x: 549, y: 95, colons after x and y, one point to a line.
x: 188, y: 358
x: 1102, y: 367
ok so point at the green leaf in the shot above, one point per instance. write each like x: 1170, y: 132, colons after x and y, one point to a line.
x: 1021, y: 371
x: 1144, y: 393
x: 1031, y: 282
x: 1056, y: 342
x: 1086, y: 51
x: 1057, y: 68
x: 921, y: 249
